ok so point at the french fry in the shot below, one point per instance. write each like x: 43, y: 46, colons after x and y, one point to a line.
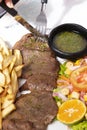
x: 1, y: 60
x: 3, y: 93
x: 4, y: 46
x: 10, y: 52
x: 7, y: 75
x: 12, y: 64
x: 10, y: 97
x: 1, y: 89
x: 10, y: 69
x: 14, y: 82
x: 9, y: 91
x: 19, y: 73
x: 7, y: 97
x: 2, y: 79
x: 18, y: 70
x: 1, y: 57
x: 6, y: 103
x: 7, y: 61
x: 18, y: 55
x: 0, y: 116
x: 0, y: 65
x: 8, y: 110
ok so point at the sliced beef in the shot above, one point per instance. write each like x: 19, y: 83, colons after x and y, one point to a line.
x: 40, y: 82
x: 34, y: 112
x: 39, y: 63
x: 40, y: 66
x: 17, y: 124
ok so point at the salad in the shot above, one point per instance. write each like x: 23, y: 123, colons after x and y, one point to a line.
x: 71, y: 94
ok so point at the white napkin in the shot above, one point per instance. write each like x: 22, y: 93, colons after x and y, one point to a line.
x: 10, y: 30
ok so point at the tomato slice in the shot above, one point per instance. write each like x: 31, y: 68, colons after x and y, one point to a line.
x: 78, y: 78
x: 82, y: 76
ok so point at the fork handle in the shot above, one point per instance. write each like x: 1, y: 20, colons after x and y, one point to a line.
x: 44, y: 1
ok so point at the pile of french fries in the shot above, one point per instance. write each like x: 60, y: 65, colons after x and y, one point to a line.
x: 10, y: 70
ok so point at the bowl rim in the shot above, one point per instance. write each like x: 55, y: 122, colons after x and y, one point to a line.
x: 68, y: 27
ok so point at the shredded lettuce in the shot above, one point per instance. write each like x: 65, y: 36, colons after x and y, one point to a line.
x: 63, y: 69
x: 80, y: 126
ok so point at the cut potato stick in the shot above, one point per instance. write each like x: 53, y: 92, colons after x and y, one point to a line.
x: 6, y: 103
x: 7, y: 61
x: 7, y: 75
x: 10, y: 52
x: 8, y: 110
x: 1, y: 60
x: 3, y: 93
x: 4, y: 46
x: 0, y: 116
x: 0, y: 65
x: 17, y: 53
x: 9, y: 91
x: 2, y: 79
x: 1, y: 57
x: 14, y: 82
x: 18, y: 70
x: 1, y: 89
x: 7, y: 100
x: 10, y: 69
x: 19, y: 67
x: 12, y: 64
x: 9, y: 97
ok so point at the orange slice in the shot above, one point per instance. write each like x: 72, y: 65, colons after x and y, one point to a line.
x: 71, y: 111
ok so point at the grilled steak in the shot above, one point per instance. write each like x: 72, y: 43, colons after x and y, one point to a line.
x: 34, y: 112
x: 40, y: 64
x: 40, y: 82
x: 37, y: 109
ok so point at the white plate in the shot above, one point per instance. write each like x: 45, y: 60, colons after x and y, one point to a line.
x: 57, y: 126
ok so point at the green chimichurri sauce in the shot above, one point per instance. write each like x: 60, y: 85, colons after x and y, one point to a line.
x: 70, y: 42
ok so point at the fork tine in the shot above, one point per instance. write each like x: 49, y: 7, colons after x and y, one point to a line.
x: 41, y: 28
x: 41, y: 21
x: 44, y: 30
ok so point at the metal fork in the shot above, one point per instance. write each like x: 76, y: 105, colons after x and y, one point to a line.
x: 41, y: 20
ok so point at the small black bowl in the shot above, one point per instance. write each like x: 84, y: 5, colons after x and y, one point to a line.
x: 69, y: 27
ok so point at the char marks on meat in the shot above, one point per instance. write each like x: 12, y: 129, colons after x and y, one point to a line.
x: 37, y: 109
